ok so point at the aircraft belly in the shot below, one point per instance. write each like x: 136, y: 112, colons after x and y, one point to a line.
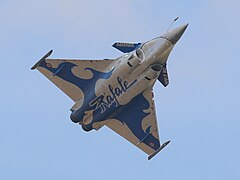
x: 112, y: 100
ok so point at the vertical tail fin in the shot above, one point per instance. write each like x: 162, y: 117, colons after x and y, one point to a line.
x: 126, y: 47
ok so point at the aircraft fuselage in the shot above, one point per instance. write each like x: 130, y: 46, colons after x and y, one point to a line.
x: 131, y: 74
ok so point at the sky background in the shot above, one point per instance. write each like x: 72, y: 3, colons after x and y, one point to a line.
x: 198, y: 111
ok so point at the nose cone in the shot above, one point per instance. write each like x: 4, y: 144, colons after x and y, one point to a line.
x: 175, y: 34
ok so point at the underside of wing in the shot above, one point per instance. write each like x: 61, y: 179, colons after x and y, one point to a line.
x: 72, y: 76
x: 137, y: 123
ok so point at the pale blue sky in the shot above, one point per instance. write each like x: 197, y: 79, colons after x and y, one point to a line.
x: 198, y: 111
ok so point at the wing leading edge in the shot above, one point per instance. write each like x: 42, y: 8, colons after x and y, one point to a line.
x: 68, y: 75
x: 137, y: 123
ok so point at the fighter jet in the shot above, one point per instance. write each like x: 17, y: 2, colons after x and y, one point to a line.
x: 117, y: 93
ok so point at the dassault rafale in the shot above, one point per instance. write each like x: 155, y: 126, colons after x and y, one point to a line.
x: 117, y: 93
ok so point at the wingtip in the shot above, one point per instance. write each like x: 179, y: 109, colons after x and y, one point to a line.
x: 41, y: 60
x: 158, y: 150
